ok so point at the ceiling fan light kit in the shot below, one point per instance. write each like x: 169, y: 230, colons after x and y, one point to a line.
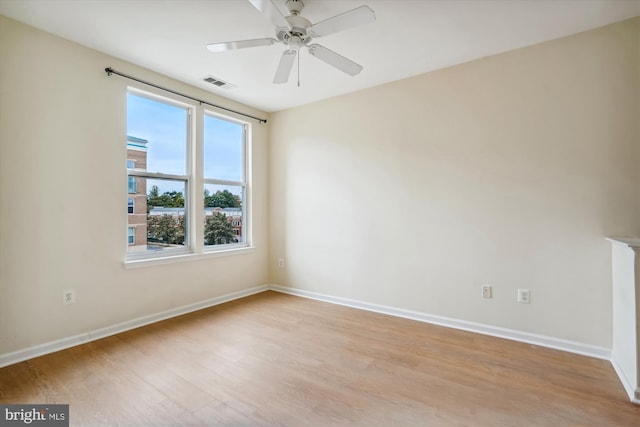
x: 296, y: 32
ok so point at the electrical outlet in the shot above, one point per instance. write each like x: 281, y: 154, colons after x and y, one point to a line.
x: 524, y: 296
x: 281, y: 263
x: 69, y: 296
x: 486, y: 291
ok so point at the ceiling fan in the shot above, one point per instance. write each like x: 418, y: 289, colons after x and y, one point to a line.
x: 295, y: 32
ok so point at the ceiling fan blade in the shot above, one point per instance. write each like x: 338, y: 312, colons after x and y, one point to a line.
x: 358, y: 16
x: 335, y: 60
x: 271, y: 12
x: 240, y: 44
x: 285, y: 66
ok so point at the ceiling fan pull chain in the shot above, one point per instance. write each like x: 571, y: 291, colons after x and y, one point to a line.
x: 299, y: 69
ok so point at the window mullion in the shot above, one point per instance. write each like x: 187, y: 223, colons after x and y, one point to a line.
x: 197, y: 187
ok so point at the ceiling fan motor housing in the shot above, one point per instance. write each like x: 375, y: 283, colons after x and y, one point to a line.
x: 297, y: 32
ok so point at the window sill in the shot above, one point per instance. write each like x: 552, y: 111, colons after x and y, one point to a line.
x: 172, y: 259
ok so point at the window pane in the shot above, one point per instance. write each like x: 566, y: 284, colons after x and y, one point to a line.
x: 166, y: 218
x: 133, y: 185
x: 159, y: 215
x: 223, y: 149
x: 223, y: 214
x: 160, y: 130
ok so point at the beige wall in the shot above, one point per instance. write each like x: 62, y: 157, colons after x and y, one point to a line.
x: 510, y: 170
x: 63, y: 193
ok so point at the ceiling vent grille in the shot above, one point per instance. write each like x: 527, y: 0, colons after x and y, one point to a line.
x: 219, y: 83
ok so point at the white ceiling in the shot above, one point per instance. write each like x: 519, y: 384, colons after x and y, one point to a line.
x: 409, y: 37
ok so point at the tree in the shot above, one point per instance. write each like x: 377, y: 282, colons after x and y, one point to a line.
x: 221, y: 199
x: 165, y: 229
x: 155, y: 192
x: 218, y: 230
x: 168, y: 199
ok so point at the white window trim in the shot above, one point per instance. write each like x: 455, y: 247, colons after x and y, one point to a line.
x: 195, y: 249
x: 177, y: 258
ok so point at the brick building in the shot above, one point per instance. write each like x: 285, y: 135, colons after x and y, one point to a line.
x: 137, y: 194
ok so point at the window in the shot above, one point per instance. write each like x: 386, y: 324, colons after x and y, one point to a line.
x: 224, y: 180
x: 164, y: 136
x: 159, y: 138
x: 133, y: 185
x: 131, y: 235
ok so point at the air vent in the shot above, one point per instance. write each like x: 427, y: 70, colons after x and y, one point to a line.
x: 219, y: 83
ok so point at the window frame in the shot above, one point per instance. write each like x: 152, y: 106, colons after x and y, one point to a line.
x: 187, y: 178
x: 194, y: 187
x: 132, y: 185
x: 131, y: 235
x: 243, y: 184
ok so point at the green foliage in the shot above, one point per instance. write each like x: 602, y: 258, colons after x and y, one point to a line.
x: 175, y: 199
x: 163, y: 229
x: 154, y: 192
x: 218, y: 230
x: 168, y: 199
x: 221, y: 199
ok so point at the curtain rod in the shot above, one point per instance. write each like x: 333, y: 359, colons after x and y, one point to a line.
x: 110, y: 71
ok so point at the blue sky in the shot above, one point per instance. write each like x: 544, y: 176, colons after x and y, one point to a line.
x: 165, y: 127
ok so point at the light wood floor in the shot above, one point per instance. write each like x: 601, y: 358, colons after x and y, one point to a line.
x: 275, y: 359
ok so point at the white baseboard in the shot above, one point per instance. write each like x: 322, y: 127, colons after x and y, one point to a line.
x: 61, y: 344
x: 632, y: 391
x: 510, y: 334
